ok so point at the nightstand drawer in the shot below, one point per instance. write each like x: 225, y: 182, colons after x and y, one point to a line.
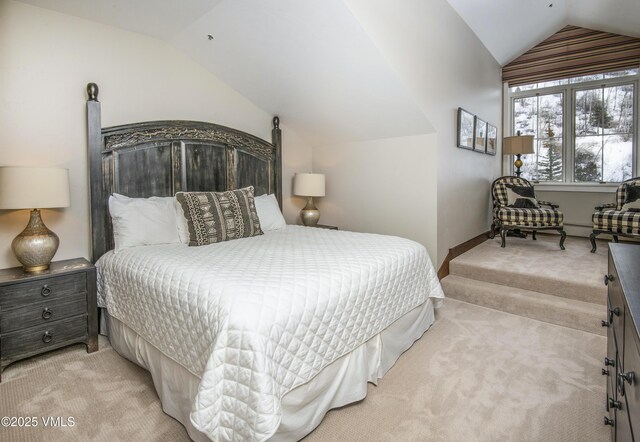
x: 43, y: 313
x: 43, y: 337
x: 55, y: 287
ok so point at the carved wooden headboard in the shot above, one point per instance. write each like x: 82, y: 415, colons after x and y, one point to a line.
x: 160, y: 158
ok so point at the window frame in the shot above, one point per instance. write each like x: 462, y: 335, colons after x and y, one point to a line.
x: 568, y: 130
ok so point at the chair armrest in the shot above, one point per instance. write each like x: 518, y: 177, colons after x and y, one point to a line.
x: 547, y: 203
x: 606, y: 206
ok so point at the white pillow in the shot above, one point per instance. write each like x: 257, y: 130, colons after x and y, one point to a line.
x: 143, y: 221
x: 269, y: 213
x: 181, y: 221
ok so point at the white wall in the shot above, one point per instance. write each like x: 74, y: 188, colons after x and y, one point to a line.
x: 444, y: 66
x: 577, y: 207
x: 381, y: 186
x: 46, y: 60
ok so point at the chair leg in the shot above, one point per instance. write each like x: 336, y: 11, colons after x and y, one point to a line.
x: 563, y: 236
x: 533, y: 235
x: 492, y: 232
x: 615, y: 238
x: 503, y: 235
x: 592, y: 238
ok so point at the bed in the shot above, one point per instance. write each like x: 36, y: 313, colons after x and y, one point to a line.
x: 254, y: 338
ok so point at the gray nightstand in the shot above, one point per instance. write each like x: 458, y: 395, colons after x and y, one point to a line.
x: 323, y: 226
x: 47, y: 310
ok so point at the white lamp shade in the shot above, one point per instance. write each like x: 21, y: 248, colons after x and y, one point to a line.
x: 308, y: 184
x: 33, y: 187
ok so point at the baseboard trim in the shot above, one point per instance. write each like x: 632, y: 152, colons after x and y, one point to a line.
x: 459, y: 250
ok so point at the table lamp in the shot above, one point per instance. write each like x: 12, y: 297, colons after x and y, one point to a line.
x: 309, y: 185
x: 517, y: 145
x: 34, y: 188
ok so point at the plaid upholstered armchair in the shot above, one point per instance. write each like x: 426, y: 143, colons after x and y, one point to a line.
x: 621, y: 218
x: 516, y: 207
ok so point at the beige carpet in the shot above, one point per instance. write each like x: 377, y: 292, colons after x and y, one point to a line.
x: 108, y: 397
x: 540, y: 266
x: 477, y: 375
x: 535, y: 279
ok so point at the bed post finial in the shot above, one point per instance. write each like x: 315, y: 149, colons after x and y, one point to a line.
x: 276, y: 122
x: 92, y: 90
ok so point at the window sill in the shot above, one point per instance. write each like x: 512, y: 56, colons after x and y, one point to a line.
x: 577, y: 187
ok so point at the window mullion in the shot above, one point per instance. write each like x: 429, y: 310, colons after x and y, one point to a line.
x: 568, y: 136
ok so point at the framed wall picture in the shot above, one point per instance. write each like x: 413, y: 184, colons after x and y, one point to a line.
x: 465, y: 129
x: 480, y: 137
x: 492, y: 139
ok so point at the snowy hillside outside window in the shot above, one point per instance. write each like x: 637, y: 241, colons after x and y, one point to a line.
x: 584, y: 128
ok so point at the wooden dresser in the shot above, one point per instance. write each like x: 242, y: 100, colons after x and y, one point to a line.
x: 43, y: 311
x: 622, y: 364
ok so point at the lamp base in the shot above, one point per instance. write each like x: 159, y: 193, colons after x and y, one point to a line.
x: 518, y: 163
x: 310, y: 214
x: 36, y: 245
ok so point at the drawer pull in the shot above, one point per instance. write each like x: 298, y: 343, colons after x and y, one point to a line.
x: 47, y: 314
x: 47, y: 337
x: 605, y: 323
x: 622, y: 377
x: 615, y: 404
x: 605, y: 372
x: 608, y: 361
x: 607, y: 279
x: 613, y: 311
x: 608, y: 421
x: 46, y: 290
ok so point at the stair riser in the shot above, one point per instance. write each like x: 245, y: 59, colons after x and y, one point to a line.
x: 538, y: 284
x: 527, y: 306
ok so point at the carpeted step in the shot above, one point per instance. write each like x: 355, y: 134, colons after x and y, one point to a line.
x: 557, y: 310
x: 538, y: 266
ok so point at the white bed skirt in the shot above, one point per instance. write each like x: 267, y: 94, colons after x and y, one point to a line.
x: 342, y: 382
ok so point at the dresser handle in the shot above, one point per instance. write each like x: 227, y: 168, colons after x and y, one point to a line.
x: 605, y: 323
x: 607, y: 278
x: 615, y: 404
x: 47, y: 337
x: 608, y: 421
x: 613, y: 311
x: 46, y: 290
x: 47, y: 313
x: 629, y: 377
x: 605, y: 372
x: 608, y: 361
x: 622, y: 377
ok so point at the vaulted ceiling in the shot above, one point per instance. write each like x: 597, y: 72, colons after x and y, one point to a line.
x: 508, y: 28
x: 311, y: 61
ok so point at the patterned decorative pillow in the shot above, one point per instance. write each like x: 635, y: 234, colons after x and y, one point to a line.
x: 521, y: 197
x: 632, y: 198
x: 219, y: 216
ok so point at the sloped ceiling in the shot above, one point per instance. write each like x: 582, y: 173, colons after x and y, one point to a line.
x: 509, y: 28
x: 310, y: 62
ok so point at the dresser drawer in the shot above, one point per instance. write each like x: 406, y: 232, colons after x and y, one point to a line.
x: 55, y: 287
x: 43, y: 313
x: 43, y: 337
x: 632, y: 365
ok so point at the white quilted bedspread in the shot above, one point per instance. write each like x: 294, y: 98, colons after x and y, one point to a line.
x: 254, y: 318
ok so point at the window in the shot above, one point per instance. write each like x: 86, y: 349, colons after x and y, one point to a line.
x: 604, y: 133
x: 584, y: 128
x: 542, y: 116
